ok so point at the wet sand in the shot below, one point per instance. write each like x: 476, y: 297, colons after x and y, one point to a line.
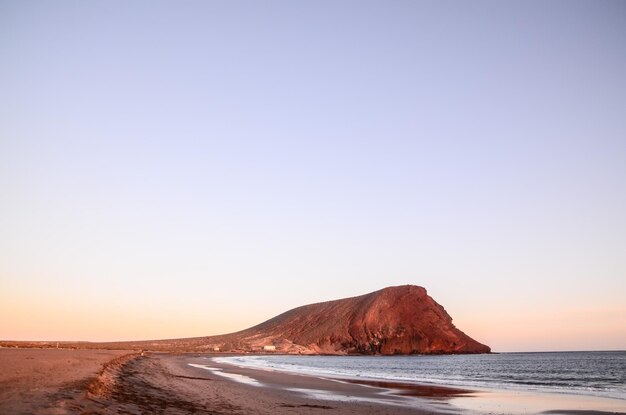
x: 43, y: 382
x: 439, y: 399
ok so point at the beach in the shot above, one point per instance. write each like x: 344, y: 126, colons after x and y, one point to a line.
x: 51, y: 381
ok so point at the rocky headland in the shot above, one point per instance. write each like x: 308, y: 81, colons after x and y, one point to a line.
x: 394, y: 320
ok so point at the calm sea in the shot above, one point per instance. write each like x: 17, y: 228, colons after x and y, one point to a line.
x: 581, y: 373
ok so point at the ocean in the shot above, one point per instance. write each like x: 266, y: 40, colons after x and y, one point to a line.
x: 601, y: 374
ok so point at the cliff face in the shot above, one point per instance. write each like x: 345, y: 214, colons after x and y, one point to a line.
x: 394, y: 320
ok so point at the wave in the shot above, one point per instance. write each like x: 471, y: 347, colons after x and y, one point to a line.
x: 601, y: 374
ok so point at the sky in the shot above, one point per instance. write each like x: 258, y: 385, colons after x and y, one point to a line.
x: 178, y: 169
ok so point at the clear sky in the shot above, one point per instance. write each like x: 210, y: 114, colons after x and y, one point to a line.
x: 176, y: 169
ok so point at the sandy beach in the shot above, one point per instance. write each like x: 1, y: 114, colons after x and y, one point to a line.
x: 48, y: 381
x: 51, y: 381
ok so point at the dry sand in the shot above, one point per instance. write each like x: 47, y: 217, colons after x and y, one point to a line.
x: 47, y: 381
x: 34, y: 381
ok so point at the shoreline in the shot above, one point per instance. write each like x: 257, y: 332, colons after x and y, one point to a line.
x: 51, y: 381
x: 476, y: 400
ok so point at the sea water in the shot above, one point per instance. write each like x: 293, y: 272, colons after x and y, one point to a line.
x: 601, y: 374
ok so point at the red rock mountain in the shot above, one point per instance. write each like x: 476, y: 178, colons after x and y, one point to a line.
x: 394, y: 320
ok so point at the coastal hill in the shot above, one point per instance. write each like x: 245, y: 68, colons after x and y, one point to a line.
x: 394, y: 320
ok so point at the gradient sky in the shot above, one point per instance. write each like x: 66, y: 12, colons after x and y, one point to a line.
x: 176, y: 169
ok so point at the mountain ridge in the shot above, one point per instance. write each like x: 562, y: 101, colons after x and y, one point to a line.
x: 394, y: 320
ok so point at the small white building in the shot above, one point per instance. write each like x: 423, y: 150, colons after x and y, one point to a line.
x: 269, y: 348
